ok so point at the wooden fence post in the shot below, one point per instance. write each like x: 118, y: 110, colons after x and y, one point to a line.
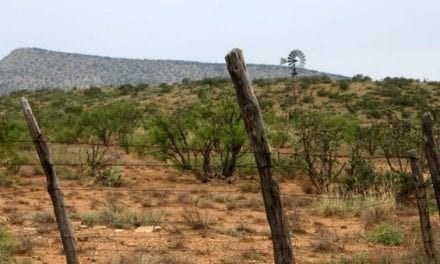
x: 250, y: 110
x: 431, y: 154
x: 56, y: 195
x: 422, y: 203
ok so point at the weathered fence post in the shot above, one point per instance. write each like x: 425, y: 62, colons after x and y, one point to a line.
x: 431, y: 155
x: 422, y: 203
x: 250, y: 110
x: 53, y: 188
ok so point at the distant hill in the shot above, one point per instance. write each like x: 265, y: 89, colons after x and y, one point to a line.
x: 32, y: 68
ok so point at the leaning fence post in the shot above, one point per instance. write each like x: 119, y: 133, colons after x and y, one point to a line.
x: 56, y: 195
x: 431, y: 155
x: 422, y: 203
x: 250, y: 110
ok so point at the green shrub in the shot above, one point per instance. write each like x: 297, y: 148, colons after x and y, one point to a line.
x: 360, y: 176
x: 213, y: 81
x: 289, y: 101
x: 5, y: 181
x: 389, y: 91
x: 344, y: 85
x: 322, y: 92
x: 165, y: 88
x: 7, y: 245
x: 360, y: 78
x: 315, y: 79
x: 308, y: 99
x: 111, y: 177
x: 398, y: 81
x: 92, y: 91
x: 278, y: 138
x: 385, y: 234
x: 89, y: 219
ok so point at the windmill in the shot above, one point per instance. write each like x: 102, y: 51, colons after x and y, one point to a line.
x: 296, y: 61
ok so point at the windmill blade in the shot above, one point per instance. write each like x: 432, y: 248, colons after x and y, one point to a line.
x: 296, y: 60
x: 291, y: 56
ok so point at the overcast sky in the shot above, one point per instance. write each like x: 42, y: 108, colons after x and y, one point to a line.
x: 375, y: 37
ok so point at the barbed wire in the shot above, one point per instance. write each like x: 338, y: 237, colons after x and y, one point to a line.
x: 242, y: 239
x: 156, y: 148
x: 200, y: 191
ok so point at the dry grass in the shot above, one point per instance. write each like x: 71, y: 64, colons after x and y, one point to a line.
x: 374, y: 216
x: 43, y: 218
x: 197, y: 219
x: 130, y: 217
x: 327, y: 241
x: 335, y: 205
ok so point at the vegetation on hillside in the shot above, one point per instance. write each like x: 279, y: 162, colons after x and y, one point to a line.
x: 328, y: 131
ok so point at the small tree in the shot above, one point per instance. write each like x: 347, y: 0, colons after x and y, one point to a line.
x: 320, y: 140
x: 127, y: 117
x: 208, y: 129
x: 360, y: 174
x: 10, y: 131
x: 396, y: 137
x: 106, y: 125
x: 229, y: 134
x: 368, y: 138
x: 170, y: 133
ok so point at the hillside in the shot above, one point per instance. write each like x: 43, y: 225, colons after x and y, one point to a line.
x: 32, y: 68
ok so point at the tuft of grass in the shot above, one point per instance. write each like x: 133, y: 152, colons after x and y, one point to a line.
x: 142, y: 258
x: 296, y: 223
x: 43, y: 218
x: 125, y: 218
x: 328, y: 242
x: 374, y: 216
x: 336, y: 205
x: 414, y: 251
x: 64, y: 173
x: 252, y: 254
x: 134, y: 258
x: 254, y: 203
x: 5, y: 181
x: 250, y: 187
x: 177, y: 243
x: 197, y: 219
x: 89, y: 219
x: 240, y: 231
x: 24, y: 245
x: 364, y: 258
x: 184, y: 198
x: 385, y: 234
x: 15, y: 217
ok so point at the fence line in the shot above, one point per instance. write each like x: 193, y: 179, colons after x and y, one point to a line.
x: 197, y: 191
x: 158, y: 149
x: 255, y: 237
